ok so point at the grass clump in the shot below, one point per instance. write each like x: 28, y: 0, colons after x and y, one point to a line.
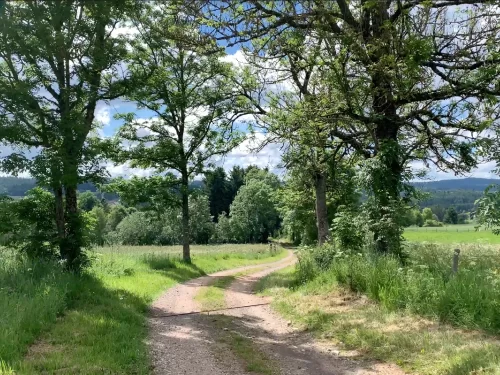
x: 425, y: 285
x: 53, y: 321
x: 212, y: 297
x: 32, y: 296
x: 253, y: 359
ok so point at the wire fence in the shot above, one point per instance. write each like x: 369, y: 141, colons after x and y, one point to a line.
x: 470, y: 228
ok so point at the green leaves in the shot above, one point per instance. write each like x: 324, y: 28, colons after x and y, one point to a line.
x: 488, y: 209
x: 155, y: 193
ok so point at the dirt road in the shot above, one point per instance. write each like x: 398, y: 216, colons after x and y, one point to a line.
x: 185, y: 341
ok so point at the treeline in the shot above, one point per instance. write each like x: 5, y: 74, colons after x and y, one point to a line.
x: 250, y: 215
x: 429, y: 218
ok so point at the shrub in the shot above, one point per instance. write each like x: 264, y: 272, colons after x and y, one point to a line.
x: 29, y: 226
x: 432, y: 223
x: 138, y: 229
x: 349, y: 230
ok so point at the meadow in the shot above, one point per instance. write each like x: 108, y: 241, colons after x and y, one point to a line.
x: 53, y: 321
x: 465, y: 233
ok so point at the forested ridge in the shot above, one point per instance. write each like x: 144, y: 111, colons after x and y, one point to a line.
x: 459, y: 193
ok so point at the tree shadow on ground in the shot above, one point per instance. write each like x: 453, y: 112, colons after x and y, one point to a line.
x: 102, y: 332
x: 257, y: 349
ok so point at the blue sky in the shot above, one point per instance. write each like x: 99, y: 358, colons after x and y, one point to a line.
x: 268, y: 157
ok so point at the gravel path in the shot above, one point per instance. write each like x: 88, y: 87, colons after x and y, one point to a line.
x: 182, y: 341
x: 296, y: 353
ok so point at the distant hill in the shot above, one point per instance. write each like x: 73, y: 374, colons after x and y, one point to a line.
x: 471, y: 184
x: 17, y: 187
x: 459, y: 193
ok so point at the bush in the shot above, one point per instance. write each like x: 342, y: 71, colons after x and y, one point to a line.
x: 349, y: 230
x: 313, y: 260
x: 138, y: 229
x: 432, y: 223
x: 28, y: 225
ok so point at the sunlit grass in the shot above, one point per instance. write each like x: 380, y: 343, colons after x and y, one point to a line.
x: 362, y: 328
x: 413, y: 315
x: 212, y: 297
x: 452, y: 234
x: 96, y: 323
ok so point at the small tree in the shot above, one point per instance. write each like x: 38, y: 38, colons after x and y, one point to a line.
x: 139, y: 228
x: 408, y: 218
x: 419, y: 219
x: 219, y: 192
x: 463, y: 217
x: 254, y: 216
x: 87, y: 201
x: 99, y: 229
x: 116, y: 214
x: 183, y: 81
x: 451, y: 216
x: 427, y: 214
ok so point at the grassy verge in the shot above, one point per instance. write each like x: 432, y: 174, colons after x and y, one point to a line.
x: 94, y: 323
x: 32, y: 297
x: 253, y: 359
x: 404, y: 327
x: 362, y: 328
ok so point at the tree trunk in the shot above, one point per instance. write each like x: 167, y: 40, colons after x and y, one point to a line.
x: 321, y: 208
x: 186, y: 251
x: 59, y: 203
x: 388, y: 176
x: 73, y: 239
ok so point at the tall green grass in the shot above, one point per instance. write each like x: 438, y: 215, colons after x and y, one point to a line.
x: 32, y: 296
x: 425, y: 285
x: 52, y: 321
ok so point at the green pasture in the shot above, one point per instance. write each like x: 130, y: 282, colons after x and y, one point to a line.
x: 465, y: 233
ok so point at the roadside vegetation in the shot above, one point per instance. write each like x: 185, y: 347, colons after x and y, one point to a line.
x: 418, y: 315
x: 95, y: 322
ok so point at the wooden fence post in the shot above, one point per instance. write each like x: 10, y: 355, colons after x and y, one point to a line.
x: 454, y: 268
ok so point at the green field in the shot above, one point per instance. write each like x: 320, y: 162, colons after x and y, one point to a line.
x: 466, y: 233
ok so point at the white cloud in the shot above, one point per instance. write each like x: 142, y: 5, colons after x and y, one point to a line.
x: 124, y: 30
x: 102, y: 115
x: 124, y: 170
x: 246, y: 154
x: 238, y: 59
x: 483, y: 170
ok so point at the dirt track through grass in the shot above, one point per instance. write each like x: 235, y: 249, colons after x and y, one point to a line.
x: 239, y: 339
